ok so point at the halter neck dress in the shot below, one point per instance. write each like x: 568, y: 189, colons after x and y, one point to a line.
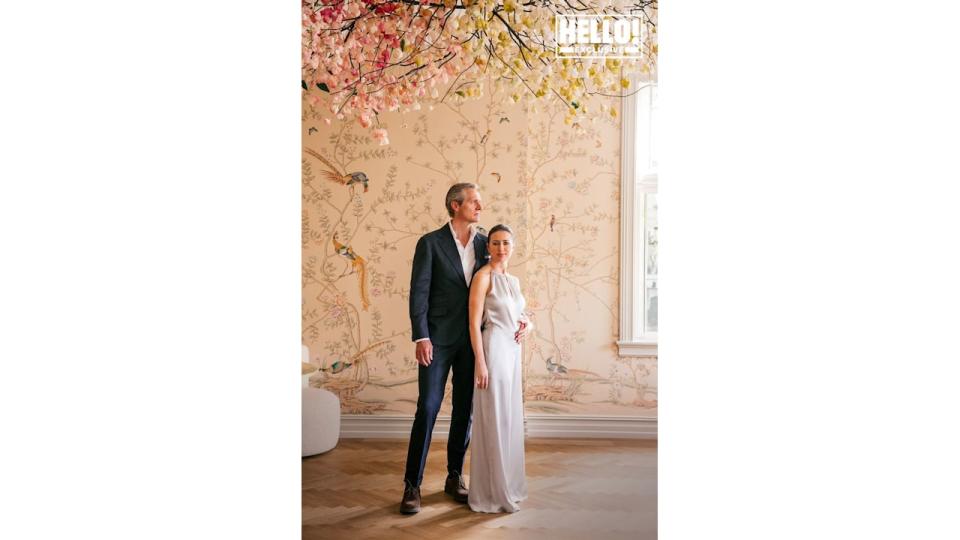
x: 497, y: 476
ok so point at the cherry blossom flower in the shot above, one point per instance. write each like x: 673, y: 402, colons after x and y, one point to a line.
x: 380, y: 135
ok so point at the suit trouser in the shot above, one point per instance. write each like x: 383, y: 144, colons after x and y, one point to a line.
x: 432, y: 381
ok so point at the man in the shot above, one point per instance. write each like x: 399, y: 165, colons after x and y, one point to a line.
x: 443, y: 266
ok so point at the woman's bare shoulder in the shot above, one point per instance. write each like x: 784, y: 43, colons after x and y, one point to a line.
x: 481, y: 279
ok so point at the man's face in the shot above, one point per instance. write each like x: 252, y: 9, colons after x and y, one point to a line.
x: 469, y: 211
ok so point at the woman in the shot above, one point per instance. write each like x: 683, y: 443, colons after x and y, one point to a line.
x: 497, y: 478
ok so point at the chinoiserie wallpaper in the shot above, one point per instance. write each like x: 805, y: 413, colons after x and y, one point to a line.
x: 557, y: 185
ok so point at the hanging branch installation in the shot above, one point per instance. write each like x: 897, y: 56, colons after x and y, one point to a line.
x: 364, y: 57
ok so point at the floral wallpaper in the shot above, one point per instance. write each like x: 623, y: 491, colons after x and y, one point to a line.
x: 557, y: 185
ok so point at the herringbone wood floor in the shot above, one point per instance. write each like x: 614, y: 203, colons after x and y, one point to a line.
x: 593, y: 489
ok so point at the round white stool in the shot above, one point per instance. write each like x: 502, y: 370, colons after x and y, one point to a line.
x: 320, y: 416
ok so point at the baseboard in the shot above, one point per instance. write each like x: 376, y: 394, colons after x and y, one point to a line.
x: 368, y: 426
x: 356, y: 426
x: 591, y: 427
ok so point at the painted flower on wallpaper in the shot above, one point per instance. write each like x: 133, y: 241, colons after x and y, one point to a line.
x: 380, y: 135
x: 364, y: 57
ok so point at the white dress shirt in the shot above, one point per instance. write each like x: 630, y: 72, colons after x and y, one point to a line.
x: 468, y: 256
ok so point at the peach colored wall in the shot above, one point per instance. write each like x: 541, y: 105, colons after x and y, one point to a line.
x: 558, y: 187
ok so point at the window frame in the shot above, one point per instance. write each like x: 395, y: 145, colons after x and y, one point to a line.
x: 636, y: 180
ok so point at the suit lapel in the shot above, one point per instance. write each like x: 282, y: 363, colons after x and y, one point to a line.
x: 478, y: 249
x: 449, y: 247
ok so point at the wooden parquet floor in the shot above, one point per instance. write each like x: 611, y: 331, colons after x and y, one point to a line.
x: 593, y: 489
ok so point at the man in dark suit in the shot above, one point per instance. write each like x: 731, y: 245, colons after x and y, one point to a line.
x: 443, y: 266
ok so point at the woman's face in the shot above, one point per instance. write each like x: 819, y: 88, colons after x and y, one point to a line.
x: 500, y: 245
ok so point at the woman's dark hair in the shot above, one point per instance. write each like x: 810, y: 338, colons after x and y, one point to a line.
x: 498, y: 228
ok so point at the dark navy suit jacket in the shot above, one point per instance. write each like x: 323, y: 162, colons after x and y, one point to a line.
x: 439, y: 294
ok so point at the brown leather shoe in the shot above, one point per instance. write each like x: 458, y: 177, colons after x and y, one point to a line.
x: 411, y: 499
x: 455, y: 487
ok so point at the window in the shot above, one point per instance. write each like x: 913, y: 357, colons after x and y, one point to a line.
x: 638, y: 224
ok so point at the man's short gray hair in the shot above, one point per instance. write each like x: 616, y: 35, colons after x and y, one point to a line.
x: 455, y: 193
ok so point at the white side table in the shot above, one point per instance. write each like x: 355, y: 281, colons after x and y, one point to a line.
x: 320, y: 416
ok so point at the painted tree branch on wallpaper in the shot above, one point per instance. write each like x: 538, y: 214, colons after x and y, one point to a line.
x: 362, y: 58
x: 332, y: 262
x: 556, y: 186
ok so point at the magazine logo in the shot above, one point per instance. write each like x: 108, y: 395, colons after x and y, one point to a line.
x: 598, y: 36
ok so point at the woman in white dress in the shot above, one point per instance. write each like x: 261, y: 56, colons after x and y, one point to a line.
x: 497, y: 479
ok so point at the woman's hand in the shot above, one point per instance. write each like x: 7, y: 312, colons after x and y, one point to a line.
x: 481, y: 376
x: 523, y: 332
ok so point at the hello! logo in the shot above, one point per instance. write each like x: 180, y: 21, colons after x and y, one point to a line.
x: 598, y: 36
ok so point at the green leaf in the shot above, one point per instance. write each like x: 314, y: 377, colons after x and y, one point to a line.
x: 323, y: 86
x: 403, y: 44
x: 575, y: 104
x: 303, y: 83
x: 460, y: 93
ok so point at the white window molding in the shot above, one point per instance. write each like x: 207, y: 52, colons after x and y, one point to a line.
x: 638, y: 179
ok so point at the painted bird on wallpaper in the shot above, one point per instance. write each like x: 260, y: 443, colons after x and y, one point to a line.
x: 337, y: 367
x: 497, y: 175
x: 554, y: 367
x: 558, y: 369
x: 334, y: 175
x: 359, y: 265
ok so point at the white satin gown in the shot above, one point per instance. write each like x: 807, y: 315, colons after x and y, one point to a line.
x: 498, y: 480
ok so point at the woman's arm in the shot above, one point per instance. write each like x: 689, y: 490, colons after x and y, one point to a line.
x: 479, y: 287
